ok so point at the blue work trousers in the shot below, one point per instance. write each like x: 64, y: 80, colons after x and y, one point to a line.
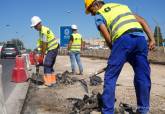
x: 133, y: 49
x: 50, y: 61
x: 75, y: 58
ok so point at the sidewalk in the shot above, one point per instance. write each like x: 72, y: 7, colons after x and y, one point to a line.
x: 14, y: 102
x: 16, y: 99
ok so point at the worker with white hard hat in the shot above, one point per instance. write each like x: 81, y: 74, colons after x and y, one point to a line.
x: 74, y: 47
x: 46, y: 44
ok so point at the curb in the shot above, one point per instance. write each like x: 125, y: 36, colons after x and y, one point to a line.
x: 2, y: 102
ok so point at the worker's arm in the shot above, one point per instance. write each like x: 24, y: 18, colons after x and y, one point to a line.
x: 147, y: 31
x: 104, y: 31
x: 70, y: 42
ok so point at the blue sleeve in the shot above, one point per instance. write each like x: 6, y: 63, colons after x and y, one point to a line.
x: 99, y: 20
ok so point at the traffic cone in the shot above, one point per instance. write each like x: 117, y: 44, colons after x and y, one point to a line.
x: 18, y: 73
x: 32, y: 58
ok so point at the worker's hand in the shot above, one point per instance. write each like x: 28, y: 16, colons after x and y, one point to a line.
x: 151, y: 44
x: 110, y: 46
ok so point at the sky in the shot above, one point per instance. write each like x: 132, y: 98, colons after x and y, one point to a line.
x: 15, y: 17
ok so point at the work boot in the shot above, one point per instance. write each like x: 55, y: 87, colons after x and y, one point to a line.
x: 73, y: 73
x: 46, y: 82
x: 53, y: 79
x: 81, y: 73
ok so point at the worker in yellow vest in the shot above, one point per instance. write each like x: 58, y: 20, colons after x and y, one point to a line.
x: 46, y: 44
x: 74, y: 47
x: 123, y: 32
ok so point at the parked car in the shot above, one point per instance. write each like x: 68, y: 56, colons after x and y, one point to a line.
x: 9, y: 50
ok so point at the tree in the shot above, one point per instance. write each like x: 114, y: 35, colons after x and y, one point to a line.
x: 18, y: 42
x: 158, y: 36
x: 1, y: 43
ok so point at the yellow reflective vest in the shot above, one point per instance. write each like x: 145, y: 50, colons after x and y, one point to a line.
x: 76, y: 44
x: 119, y: 19
x: 47, y: 40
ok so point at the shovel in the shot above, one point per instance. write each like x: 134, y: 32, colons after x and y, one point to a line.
x: 83, y: 82
x: 36, y: 81
x: 99, y: 71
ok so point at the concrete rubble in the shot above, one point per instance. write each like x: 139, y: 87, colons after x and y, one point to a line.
x: 71, y: 97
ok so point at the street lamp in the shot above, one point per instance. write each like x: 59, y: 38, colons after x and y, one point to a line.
x: 7, y: 25
x: 69, y: 11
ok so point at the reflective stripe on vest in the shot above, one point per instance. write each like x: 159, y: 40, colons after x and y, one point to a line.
x: 119, y: 19
x: 52, y: 44
x: 50, y: 38
x: 76, y: 44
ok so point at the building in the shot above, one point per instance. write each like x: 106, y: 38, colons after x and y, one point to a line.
x: 158, y: 36
x: 93, y: 42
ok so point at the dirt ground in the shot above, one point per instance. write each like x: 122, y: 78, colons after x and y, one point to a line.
x: 53, y: 100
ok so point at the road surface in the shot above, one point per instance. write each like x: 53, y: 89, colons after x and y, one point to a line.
x: 14, y: 93
x: 8, y: 86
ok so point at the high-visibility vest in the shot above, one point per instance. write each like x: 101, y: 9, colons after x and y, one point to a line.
x: 119, y: 19
x: 76, y: 44
x: 47, y: 40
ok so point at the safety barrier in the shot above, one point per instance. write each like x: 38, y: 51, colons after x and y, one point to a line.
x: 18, y: 73
x: 27, y: 60
x: 155, y: 56
x: 2, y: 103
x: 98, y: 53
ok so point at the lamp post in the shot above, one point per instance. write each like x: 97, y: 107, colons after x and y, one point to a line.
x: 3, y: 26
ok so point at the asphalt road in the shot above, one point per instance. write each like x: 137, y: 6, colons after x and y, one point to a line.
x: 8, y: 86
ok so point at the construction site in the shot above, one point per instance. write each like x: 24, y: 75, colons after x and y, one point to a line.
x: 80, y: 94
x: 75, y: 94
x: 82, y: 57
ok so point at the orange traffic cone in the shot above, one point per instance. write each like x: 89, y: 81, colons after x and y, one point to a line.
x: 18, y: 73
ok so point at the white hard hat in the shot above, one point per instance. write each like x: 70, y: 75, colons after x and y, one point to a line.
x: 35, y: 20
x: 74, y: 27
